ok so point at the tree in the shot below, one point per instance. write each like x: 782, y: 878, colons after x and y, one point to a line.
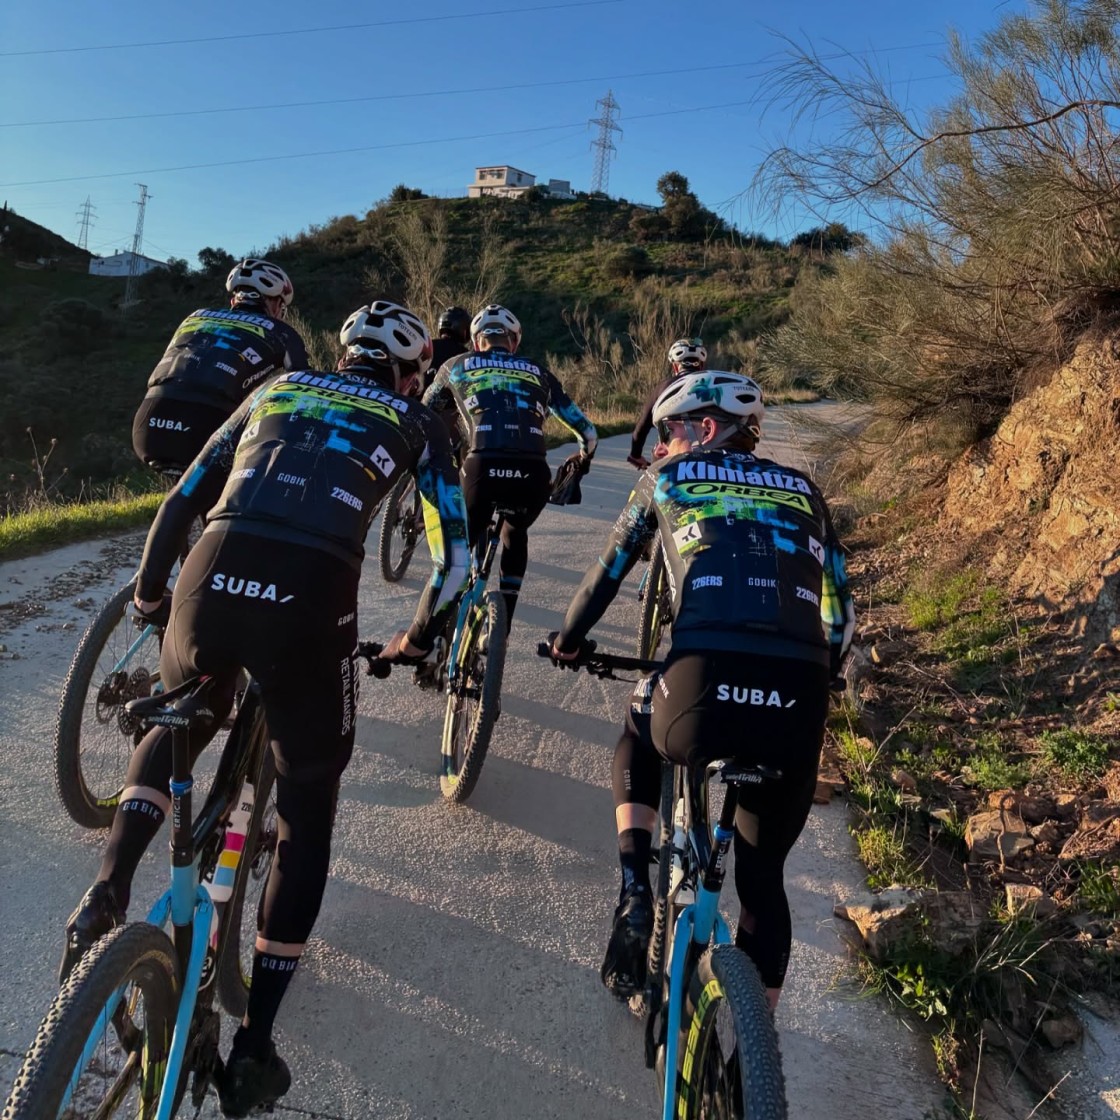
x: 680, y: 207
x: 215, y: 262
x: 401, y: 193
x: 833, y: 238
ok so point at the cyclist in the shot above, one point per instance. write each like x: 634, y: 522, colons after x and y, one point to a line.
x: 686, y: 355
x: 755, y: 568
x: 453, y: 337
x: 289, y: 481
x: 502, y: 401
x: 216, y: 357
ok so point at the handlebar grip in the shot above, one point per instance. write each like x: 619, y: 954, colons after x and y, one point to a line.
x: 542, y: 649
x: 378, y: 668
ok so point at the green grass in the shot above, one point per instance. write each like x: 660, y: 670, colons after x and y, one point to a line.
x: 50, y: 526
x: 991, y: 767
x: 1076, y: 753
x: 1099, y: 888
x: 882, y: 851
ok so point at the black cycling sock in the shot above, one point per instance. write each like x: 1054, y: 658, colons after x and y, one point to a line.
x: 135, y: 823
x: 271, y: 976
x: 634, y: 846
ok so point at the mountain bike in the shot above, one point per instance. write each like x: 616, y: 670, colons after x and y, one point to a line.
x: 117, y: 660
x: 657, y: 605
x: 402, y: 526
x: 468, y: 666
x: 135, y: 1020
x: 709, y: 1032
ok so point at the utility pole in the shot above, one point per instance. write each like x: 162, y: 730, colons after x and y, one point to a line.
x: 137, y: 245
x: 604, y: 145
x: 84, y: 215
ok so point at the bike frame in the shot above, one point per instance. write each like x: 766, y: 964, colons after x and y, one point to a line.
x: 186, y: 903
x: 470, y: 605
x: 700, y: 922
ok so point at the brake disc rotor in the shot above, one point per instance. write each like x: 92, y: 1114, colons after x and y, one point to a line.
x: 139, y: 684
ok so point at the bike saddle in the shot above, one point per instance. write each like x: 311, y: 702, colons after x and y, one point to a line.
x: 185, y: 706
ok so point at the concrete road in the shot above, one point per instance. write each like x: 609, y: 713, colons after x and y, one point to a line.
x: 454, y: 967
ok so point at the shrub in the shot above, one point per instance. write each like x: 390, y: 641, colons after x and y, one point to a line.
x: 1076, y: 754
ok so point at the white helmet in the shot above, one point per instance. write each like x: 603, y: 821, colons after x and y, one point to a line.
x: 263, y: 277
x: 495, y: 319
x: 724, y: 396
x: 688, y: 353
x: 388, y: 334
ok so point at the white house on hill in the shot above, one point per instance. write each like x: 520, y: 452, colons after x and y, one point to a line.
x: 505, y: 182
x: 118, y: 264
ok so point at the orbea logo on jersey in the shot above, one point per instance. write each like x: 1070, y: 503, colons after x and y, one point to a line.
x: 247, y: 588
x: 756, y: 697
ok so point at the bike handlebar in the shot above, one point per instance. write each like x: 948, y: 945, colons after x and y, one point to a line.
x: 603, y: 664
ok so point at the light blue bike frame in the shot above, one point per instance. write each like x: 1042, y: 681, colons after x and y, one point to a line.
x: 699, y: 923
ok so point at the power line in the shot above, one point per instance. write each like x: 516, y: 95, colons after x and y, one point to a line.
x: 311, y: 30
x: 84, y: 214
x: 137, y: 247
x: 604, y: 145
x: 412, y: 95
x: 366, y: 148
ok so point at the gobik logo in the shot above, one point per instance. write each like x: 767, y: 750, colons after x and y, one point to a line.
x: 247, y: 588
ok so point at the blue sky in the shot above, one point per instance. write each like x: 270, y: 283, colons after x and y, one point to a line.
x: 388, y: 91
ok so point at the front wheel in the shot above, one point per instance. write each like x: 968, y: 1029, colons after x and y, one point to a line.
x: 235, y: 963
x: 102, y: 1048
x: 117, y: 660
x: 401, y: 526
x: 655, y: 614
x: 474, y: 701
x: 730, y: 1065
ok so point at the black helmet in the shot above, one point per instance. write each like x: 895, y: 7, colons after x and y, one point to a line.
x: 455, y: 321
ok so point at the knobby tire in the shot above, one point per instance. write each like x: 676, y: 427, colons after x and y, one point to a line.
x: 138, y: 954
x: 256, y: 860
x: 746, y: 1084
x: 83, y: 805
x: 392, y: 532
x: 458, y: 787
x: 652, y: 623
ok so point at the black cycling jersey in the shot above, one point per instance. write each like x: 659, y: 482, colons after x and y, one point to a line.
x: 753, y: 561
x: 645, y: 417
x: 443, y: 350
x: 503, y: 400
x: 219, y: 355
x: 306, y: 460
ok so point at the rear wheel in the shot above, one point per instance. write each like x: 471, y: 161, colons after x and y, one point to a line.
x: 103, y: 1046
x: 401, y: 527
x: 475, y: 702
x: 730, y: 1067
x: 655, y: 614
x: 117, y: 660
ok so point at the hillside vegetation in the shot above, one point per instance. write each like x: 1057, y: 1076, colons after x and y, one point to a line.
x: 983, y: 331
x: 601, y: 288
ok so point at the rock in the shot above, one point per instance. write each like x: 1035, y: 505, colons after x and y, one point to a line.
x: 884, y: 653
x: 1106, y: 651
x: 823, y: 793
x: 996, y: 834
x: 1065, y: 805
x: 1022, y: 898
x: 1033, y: 808
x: 904, y: 781
x: 1097, y: 836
x: 1062, y: 1032
x: 1046, y: 833
x: 948, y: 919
